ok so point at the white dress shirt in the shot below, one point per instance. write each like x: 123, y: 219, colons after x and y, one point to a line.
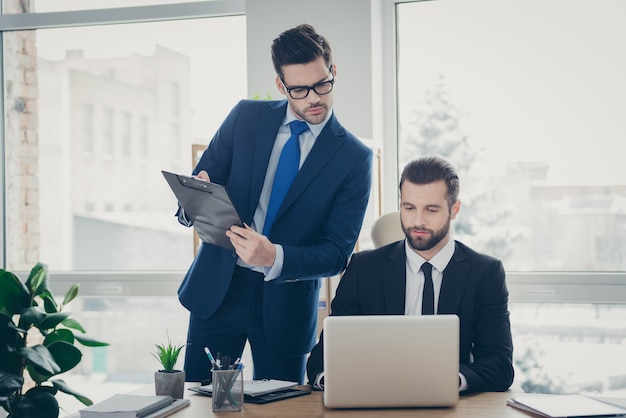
x: 415, y: 276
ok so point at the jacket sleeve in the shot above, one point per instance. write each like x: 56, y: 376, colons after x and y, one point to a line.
x: 492, y: 347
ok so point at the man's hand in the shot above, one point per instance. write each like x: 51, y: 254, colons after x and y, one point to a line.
x: 203, y: 175
x: 253, y: 248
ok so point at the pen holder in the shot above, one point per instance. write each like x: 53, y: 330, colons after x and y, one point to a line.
x: 227, y: 390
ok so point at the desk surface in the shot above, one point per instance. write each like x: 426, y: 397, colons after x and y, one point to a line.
x: 483, y: 405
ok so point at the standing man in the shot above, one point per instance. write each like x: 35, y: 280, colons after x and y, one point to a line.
x: 430, y: 273
x: 267, y: 290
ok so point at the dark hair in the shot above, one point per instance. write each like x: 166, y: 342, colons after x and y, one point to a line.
x: 426, y: 170
x: 299, y: 45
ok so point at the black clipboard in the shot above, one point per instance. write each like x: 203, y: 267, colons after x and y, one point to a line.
x: 278, y: 395
x: 208, y: 205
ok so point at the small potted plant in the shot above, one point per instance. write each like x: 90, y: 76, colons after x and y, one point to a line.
x: 168, y: 380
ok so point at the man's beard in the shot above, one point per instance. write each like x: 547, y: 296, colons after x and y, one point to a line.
x: 428, y: 242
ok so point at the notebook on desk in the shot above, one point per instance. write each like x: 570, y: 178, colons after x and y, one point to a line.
x: 391, y: 361
x: 569, y: 405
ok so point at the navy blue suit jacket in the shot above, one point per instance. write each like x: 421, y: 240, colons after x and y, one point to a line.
x: 317, y: 225
x: 473, y: 288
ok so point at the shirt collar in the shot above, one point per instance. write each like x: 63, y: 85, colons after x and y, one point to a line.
x: 439, y: 261
x: 315, y: 129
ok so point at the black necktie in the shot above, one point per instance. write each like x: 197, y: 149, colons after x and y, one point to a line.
x: 288, y: 165
x: 428, y: 298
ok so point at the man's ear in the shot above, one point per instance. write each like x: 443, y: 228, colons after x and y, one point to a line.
x: 455, y: 209
x: 279, y: 86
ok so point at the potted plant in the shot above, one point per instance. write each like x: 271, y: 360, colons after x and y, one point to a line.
x: 168, y: 380
x: 36, y: 336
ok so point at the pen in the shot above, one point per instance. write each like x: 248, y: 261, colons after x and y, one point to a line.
x: 211, y: 359
x: 226, y: 362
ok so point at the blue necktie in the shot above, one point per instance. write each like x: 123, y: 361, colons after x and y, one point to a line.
x: 428, y: 297
x: 286, y: 171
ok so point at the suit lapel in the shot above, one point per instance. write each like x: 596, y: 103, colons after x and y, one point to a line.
x: 394, y: 280
x: 455, y: 277
x: 270, y: 119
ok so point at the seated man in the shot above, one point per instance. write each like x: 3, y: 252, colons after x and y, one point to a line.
x: 439, y: 276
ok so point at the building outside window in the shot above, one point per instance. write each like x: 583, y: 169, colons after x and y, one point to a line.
x: 98, y: 208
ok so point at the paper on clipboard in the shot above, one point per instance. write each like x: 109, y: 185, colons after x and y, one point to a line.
x: 208, y: 205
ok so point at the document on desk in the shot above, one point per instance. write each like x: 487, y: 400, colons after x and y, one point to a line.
x: 565, y: 406
x: 208, y: 205
x: 261, y: 391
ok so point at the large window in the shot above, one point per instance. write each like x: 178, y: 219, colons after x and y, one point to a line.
x: 108, y: 108
x: 525, y: 98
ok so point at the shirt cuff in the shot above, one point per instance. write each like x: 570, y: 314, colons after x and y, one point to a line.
x: 273, y: 272
x: 319, y: 381
x: 182, y: 217
x: 463, y: 386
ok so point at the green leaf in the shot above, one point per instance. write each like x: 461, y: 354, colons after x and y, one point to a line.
x: 72, y: 323
x: 66, y: 355
x: 72, y: 292
x: 14, y: 296
x: 51, y: 320
x: 62, y: 386
x: 40, y: 357
x: 31, y: 316
x: 9, y: 383
x: 10, y: 339
x: 50, y: 305
x: 89, y: 341
x: 44, y: 403
x: 37, y: 375
x: 59, y: 335
x: 38, y: 279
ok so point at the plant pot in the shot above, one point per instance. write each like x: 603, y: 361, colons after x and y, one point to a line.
x: 170, y: 383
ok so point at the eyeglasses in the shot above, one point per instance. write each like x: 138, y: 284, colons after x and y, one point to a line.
x: 301, y: 92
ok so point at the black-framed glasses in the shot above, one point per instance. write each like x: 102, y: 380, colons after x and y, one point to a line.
x: 301, y: 92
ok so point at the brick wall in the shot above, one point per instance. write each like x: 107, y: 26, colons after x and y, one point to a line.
x: 22, y: 144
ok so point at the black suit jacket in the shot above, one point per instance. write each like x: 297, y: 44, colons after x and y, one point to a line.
x: 473, y: 288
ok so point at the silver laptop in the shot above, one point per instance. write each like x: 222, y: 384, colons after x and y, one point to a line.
x: 391, y: 361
